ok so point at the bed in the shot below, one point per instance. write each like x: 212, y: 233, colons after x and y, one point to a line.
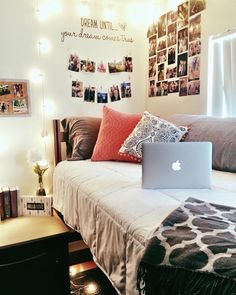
x: 103, y: 201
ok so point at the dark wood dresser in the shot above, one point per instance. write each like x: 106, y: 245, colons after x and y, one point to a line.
x: 34, y: 256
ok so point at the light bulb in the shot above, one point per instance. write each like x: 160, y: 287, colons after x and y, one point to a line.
x: 49, y: 107
x: 51, y: 7
x: 82, y: 9
x: 73, y: 271
x: 91, y: 288
x: 42, y: 14
x: 44, y: 46
x: 45, y: 136
x: 36, y: 76
x: 109, y: 13
x: 3, y: 146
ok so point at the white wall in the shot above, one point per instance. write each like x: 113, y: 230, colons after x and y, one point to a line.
x: 218, y: 17
x: 20, y: 32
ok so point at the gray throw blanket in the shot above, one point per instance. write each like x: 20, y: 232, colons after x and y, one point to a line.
x: 192, y: 252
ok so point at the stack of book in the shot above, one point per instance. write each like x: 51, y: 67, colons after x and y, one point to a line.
x: 9, y: 202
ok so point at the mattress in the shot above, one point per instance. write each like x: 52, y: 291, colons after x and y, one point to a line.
x: 104, y: 201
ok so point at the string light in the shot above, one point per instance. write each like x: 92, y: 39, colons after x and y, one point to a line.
x: 45, y: 137
x: 49, y: 107
x: 3, y: 145
x: 83, y: 9
x: 36, y: 76
x: 110, y: 13
x: 43, y: 12
x: 44, y: 132
x: 91, y: 288
x: 50, y: 8
x: 44, y: 45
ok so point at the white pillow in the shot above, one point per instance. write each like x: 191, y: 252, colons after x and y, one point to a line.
x: 150, y: 129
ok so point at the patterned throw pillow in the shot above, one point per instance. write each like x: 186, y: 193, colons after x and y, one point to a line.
x: 150, y: 129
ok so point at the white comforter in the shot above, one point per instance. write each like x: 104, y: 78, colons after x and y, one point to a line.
x: 104, y: 201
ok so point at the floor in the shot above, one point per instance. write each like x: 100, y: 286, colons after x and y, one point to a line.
x: 85, y: 277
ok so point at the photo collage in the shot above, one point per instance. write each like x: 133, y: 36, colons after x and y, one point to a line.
x: 174, y: 51
x: 88, y: 93
x: 14, y: 97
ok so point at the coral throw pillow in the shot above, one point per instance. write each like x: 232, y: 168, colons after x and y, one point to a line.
x: 115, y: 128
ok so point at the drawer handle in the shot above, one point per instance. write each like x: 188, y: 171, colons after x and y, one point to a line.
x: 24, y: 260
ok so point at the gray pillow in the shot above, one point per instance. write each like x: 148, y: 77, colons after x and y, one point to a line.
x: 220, y: 131
x: 82, y: 136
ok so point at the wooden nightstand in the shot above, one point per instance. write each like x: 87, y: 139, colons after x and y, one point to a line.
x: 34, y: 256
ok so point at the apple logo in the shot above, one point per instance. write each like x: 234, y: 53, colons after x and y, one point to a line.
x: 176, y: 166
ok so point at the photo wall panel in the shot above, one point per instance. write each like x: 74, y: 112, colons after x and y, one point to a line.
x: 93, y: 93
x: 174, y: 51
x: 14, y: 97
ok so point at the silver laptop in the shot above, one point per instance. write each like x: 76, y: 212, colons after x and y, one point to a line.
x: 177, y: 165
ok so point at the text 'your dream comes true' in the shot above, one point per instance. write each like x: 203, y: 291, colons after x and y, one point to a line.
x: 82, y: 34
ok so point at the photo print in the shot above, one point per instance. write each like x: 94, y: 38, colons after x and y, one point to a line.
x: 182, y: 68
x: 152, y: 88
x: 152, y: 30
x: 87, y: 66
x: 19, y: 106
x: 195, y: 28
x: 194, y: 48
x: 152, y: 67
x: 172, y: 17
x: 89, y: 94
x: 4, y: 90
x: 161, y: 72
x: 183, y: 89
x: 183, y: 15
x: 114, y: 93
x: 116, y: 67
x: 171, y: 34
x: 128, y: 64
x: 162, y: 88
x: 194, y: 87
x: 102, y: 97
x: 162, y: 26
x: 5, y: 107
x: 196, y: 6
x: 194, y: 68
x: 77, y: 89
x: 158, y: 89
x: 171, y: 55
x: 171, y: 72
x: 183, y: 40
x: 125, y: 88
x: 18, y: 90
x: 152, y: 45
x: 161, y: 56
x: 161, y: 43
x: 14, y: 97
x: 173, y: 86
x: 74, y: 63
x: 102, y: 68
